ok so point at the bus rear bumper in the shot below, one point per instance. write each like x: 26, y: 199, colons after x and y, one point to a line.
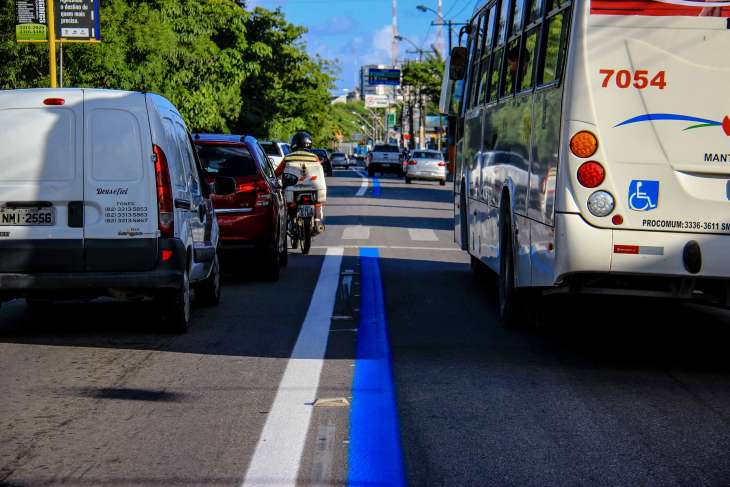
x: 643, y: 263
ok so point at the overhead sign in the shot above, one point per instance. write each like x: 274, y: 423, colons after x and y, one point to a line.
x: 30, y: 25
x: 77, y: 20
x: 377, y: 101
x: 389, y: 77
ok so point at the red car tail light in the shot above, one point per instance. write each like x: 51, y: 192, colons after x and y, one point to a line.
x: 245, y: 187
x: 263, y: 193
x: 165, y: 205
x: 411, y: 163
x: 442, y: 164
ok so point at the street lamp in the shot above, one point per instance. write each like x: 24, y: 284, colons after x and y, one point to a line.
x: 419, y: 51
x: 442, y: 21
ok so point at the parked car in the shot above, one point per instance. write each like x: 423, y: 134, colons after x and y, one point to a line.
x: 340, y: 159
x: 324, y: 158
x: 276, y: 150
x: 109, y: 200
x: 252, y: 218
x: 428, y: 165
x: 384, y: 158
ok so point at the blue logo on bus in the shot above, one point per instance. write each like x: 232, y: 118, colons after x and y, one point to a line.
x: 643, y: 195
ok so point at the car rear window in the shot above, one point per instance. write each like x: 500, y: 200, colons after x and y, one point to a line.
x: 386, y: 148
x: 338, y: 154
x: 221, y: 160
x: 428, y: 155
x: 271, y: 149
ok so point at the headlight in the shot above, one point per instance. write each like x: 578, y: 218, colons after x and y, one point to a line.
x: 601, y: 203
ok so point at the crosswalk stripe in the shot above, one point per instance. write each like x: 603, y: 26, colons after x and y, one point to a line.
x: 423, y: 235
x: 356, y: 233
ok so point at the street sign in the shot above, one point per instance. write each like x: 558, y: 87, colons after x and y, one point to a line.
x: 77, y: 20
x: 30, y: 25
x: 377, y: 101
x: 391, y: 119
x: 389, y: 77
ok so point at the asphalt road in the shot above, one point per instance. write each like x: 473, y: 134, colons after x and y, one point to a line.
x: 620, y: 393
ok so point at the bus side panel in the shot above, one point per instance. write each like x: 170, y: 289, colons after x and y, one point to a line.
x: 458, y: 179
x: 472, y: 152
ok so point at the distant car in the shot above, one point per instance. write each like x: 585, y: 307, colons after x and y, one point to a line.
x: 276, y: 150
x: 340, y: 159
x: 324, y: 158
x: 252, y: 219
x: 428, y: 165
x: 384, y: 158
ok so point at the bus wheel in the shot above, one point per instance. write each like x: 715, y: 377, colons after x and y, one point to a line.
x: 507, y: 292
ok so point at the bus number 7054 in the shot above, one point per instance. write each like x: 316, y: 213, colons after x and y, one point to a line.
x: 640, y: 78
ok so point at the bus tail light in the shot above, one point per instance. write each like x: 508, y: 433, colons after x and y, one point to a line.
x: 583, y: 144
x: 591, y: 174
x: 601, y: 203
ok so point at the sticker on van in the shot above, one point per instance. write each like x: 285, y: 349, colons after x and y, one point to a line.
x: 643, y: 195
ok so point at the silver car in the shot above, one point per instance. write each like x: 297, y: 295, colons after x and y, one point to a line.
x: 428, y: 165
x: 340, y: 159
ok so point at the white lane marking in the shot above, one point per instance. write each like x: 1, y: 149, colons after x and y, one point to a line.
x: 279, y: 450
x: 365, y: 183
x: 356, y: 233
x: 423, y: 235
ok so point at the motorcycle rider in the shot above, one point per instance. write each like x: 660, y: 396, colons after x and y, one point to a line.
x: 305, y: 164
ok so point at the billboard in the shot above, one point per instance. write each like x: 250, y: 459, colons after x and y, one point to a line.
x: 681, y: 8
x: 377, y: 101
x: 75, y: 20
x: 30, y: 21
x: 390, y: 77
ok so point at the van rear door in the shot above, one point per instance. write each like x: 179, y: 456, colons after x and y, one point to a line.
x: 120, y: 227
x: 41, y: 181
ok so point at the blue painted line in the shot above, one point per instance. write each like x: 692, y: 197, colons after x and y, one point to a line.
x: 376, y: 457
x: 666, y: 116
x: 376, y: 187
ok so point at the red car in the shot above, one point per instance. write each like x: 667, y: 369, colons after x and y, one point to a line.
x: 252, y: 218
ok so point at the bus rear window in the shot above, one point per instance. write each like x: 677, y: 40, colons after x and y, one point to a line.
x: 218, y: 160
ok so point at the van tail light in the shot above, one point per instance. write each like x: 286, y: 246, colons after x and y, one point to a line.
x: 411, y: 163
x: 165, y: 205
x: 591, y: 174
x: 54, y: 101
x: 263, y: 193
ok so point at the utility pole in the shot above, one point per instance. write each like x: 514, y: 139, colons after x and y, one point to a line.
x: 394, y: 44
x: 52, y: 44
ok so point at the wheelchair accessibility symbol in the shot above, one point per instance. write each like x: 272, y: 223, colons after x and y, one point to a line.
x: 643, y: 195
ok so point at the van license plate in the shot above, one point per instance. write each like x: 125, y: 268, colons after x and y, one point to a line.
x: 26, y: 216
x: 306, y: 211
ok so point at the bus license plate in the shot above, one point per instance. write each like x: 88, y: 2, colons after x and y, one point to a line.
x: 26, y: 216
x: 306, y: 211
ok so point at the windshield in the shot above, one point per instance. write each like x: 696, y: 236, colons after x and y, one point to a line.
x: 386, y: 148
x: 220, y: 160
x: 428, y: 155
x: 271, y: 149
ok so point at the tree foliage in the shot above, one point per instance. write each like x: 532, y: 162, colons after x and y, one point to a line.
x: 227, y: 69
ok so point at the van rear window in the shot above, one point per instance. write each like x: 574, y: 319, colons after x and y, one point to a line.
x: 116, y: 146
x: 221, y: 160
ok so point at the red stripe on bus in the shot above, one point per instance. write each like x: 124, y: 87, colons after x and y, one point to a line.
x: 654, y: 8
x: 626, y: 249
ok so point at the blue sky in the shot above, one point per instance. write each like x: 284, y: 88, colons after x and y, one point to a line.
x: 358, y: 32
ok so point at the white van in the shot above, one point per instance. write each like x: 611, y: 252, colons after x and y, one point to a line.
x: 101, y: 194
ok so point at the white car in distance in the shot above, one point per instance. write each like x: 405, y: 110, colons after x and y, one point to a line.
x: 427, y: 165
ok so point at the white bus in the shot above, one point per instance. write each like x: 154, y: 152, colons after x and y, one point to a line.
x: 592, y: 147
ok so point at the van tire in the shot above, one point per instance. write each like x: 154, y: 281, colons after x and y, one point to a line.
x: 272, y: 263
x: 507, y: 293
x: 208, y: 292
x: 175, y: 306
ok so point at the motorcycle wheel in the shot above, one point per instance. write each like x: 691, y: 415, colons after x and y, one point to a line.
x: 306, y: 241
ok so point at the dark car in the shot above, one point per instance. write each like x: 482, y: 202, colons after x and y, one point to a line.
x: 253, y: 218
x: 324, y: 157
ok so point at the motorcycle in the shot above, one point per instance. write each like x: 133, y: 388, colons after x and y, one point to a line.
x: 301, y: 202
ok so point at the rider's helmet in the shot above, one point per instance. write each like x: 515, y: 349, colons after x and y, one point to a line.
x: 301, y: 141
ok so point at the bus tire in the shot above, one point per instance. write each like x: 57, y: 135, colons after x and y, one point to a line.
x: 507, y: 292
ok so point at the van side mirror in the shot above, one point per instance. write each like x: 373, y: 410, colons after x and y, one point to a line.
x: 289, y: 179
x: 457, y: 63
x: 224, y: 186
